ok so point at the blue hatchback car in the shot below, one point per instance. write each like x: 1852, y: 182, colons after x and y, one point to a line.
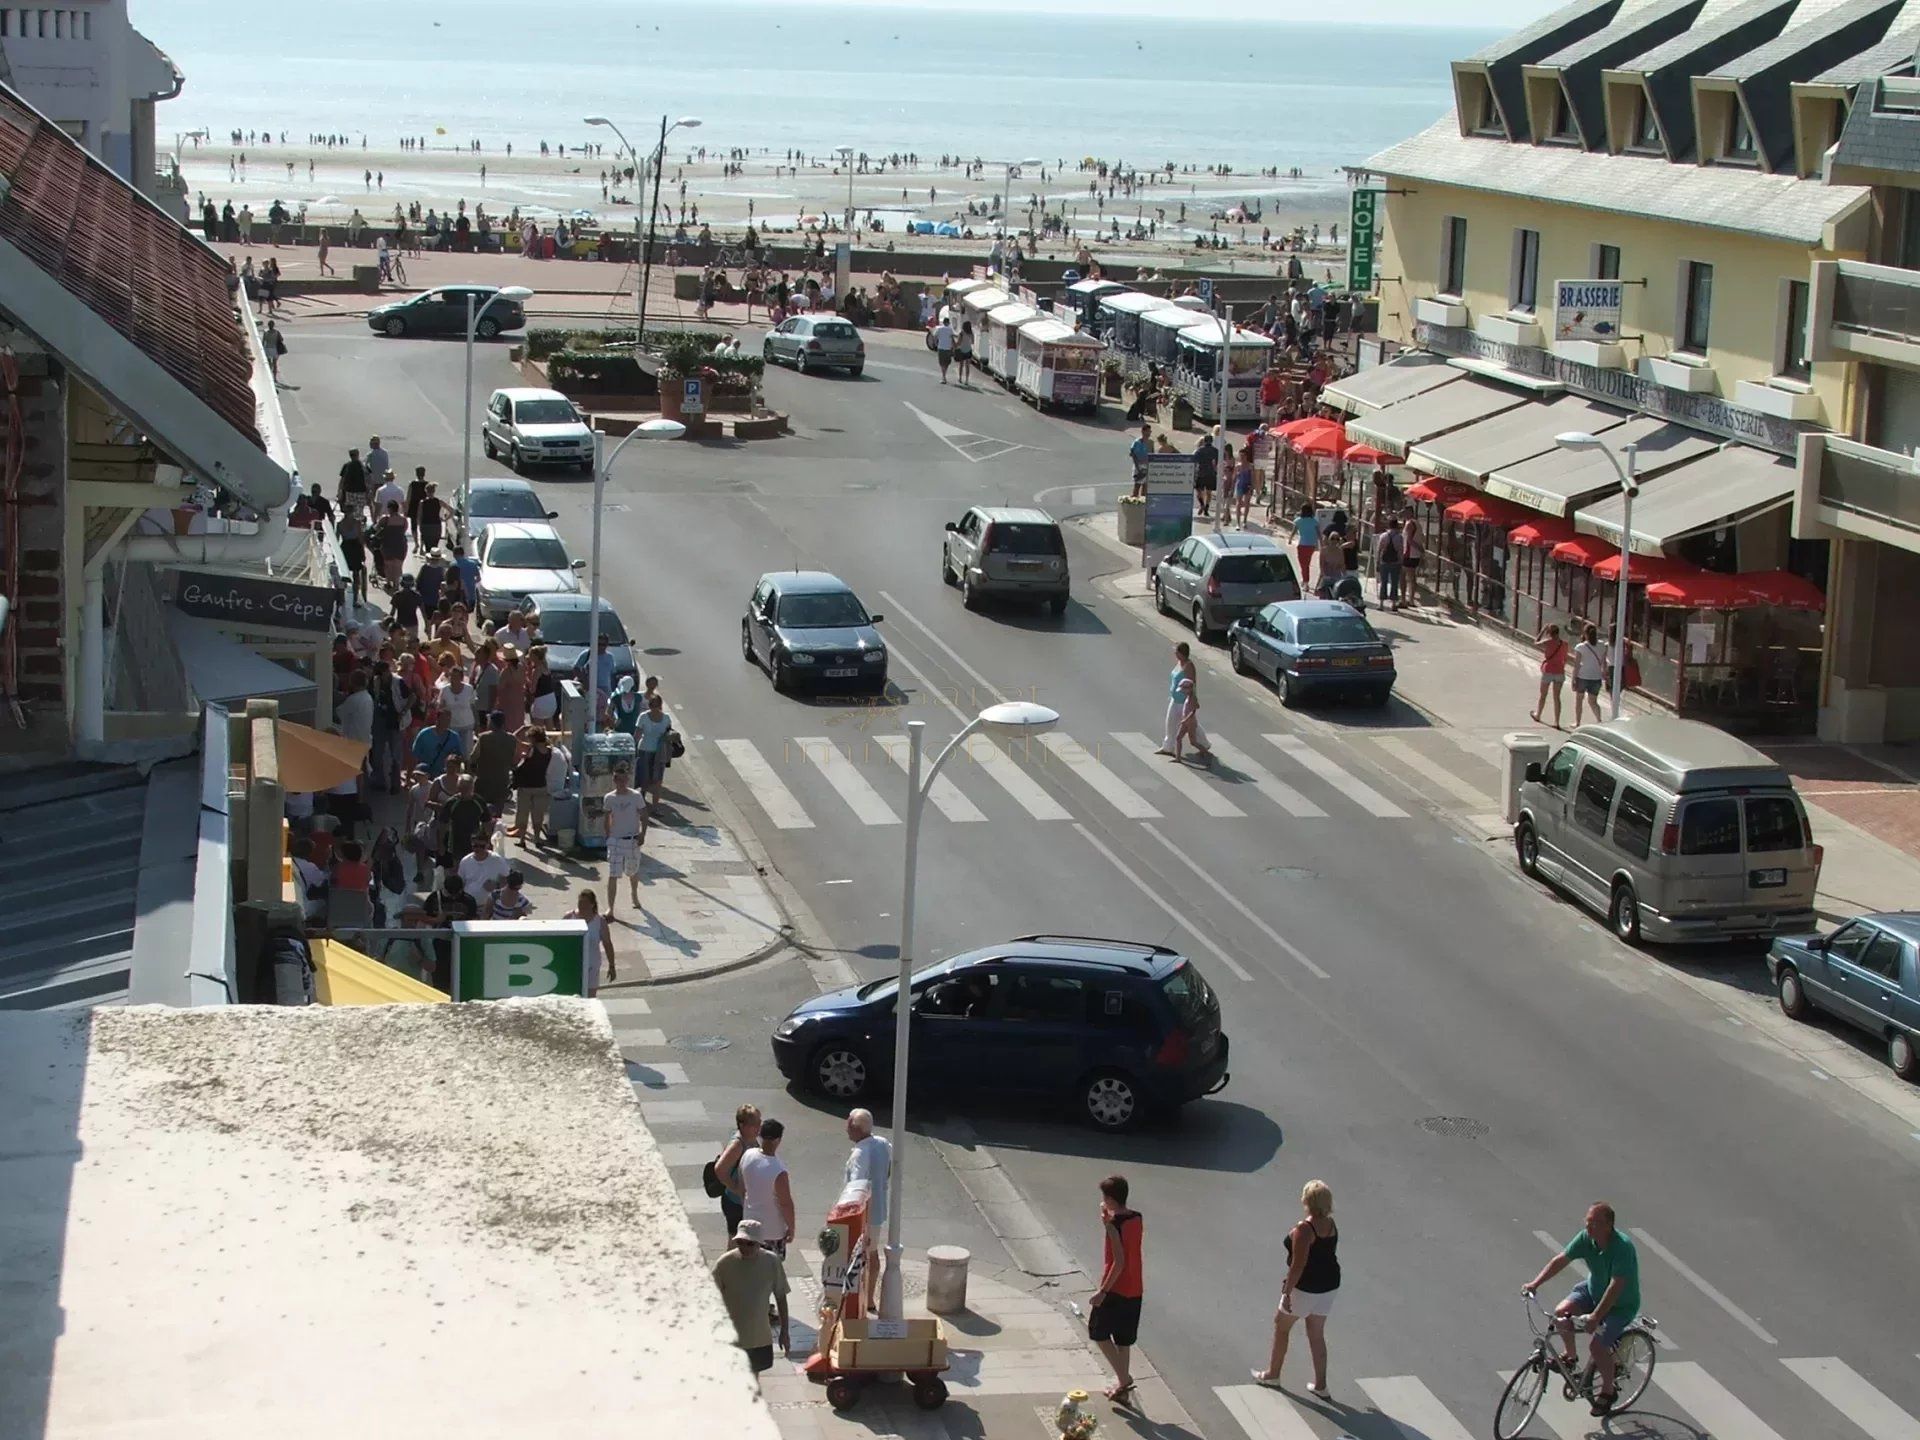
x: 1313, y: 647
x: 1111, y: 1027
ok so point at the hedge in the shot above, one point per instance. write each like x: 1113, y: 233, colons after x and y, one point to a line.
x: 544, y: 342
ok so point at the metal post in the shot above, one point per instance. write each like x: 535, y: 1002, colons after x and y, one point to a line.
x: 1620, y: 609
x: 646, y: 250
x: 466, y: 428
x: 600, y: 463
x: 892, y: 1292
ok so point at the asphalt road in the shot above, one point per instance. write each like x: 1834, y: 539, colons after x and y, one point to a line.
x: 1467, y: 1062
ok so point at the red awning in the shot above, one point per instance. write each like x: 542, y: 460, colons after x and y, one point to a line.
x: 1306, y: 425
x: 1587, y: 550
x: 1784, y: 588
x: 1705, y: 590
x: 1367, y: 455
x: 1435, y: 491
x: 1330, y: 442
x: 1645, y: 569
x: 1487, y: 508
x: 1548, y: 530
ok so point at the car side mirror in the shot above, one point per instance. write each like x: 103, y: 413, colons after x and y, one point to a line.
x: 579, y: 565
x: 875, y: 619
x: 953, y: 525
x: 553, y: 514
x: 1534, y: 772
x: 1817, y: 943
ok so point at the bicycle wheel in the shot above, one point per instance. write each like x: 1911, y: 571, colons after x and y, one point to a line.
x: 1633, y: 1361
x: 1521, y: 1399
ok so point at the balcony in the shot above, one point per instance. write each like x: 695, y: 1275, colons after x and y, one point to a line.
x: 1866, y: 312
x: 1857, y: 490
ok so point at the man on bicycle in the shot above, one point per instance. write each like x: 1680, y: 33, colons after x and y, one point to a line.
x: 1609, y: 1297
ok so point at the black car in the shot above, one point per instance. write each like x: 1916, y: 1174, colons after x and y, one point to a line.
x: 810, y: 630
x: 1112, y: 1027
x: 444, y: 312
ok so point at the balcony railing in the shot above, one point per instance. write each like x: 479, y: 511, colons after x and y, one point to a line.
x: 1877, y: 300
x: 1877, y: 484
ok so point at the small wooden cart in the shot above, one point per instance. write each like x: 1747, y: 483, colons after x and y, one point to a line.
x: 851, y: 1357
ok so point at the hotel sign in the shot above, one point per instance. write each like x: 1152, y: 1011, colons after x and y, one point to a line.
x: 1588, y: 310
x: 1362, y: 240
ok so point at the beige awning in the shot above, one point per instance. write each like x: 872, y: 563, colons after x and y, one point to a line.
x: 1469, y: 455
x: 1399, y: 379
x: 1398, y: 428
x: 1720, y: 489
x: 1560, y: 481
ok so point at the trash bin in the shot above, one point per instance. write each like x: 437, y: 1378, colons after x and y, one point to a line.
x: 1524, y: 748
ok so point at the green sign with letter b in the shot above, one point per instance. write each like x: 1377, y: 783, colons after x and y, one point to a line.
x: 508, y: 959
x: 1362, y: 240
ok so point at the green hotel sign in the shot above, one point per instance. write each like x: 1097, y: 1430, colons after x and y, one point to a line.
x: 505, y: 959
x: 1363, y: 240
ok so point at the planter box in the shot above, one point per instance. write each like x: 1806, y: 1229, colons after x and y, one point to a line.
x: 1110, y: 384
x: 1133, y: 524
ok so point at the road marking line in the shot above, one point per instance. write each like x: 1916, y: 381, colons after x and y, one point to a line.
x: 1266, y: 782
x: 1008, y: 774
x: 1349, y: 784
x: 1180, y: 776
x: 1855, y: 1397
x: 656, y: 1074
x: 1406, y: 755
x: 1701, y: 1284
x: 927, y: 687
x: 951, y: 435
x: 1082, y: 497
x: 1109, y: 786
x: 1569, y: 1419
x: 765, y: 786
x: 1264, y: 1414
x: 675, y: 1112
x: 1235, y: 901
x: 845, y: 777
x: 688, y: 1152
x: 639, y: 1039
x: 1414, y: 1409
x: 987, y: 687
x: 834, y: 974
x: 945, y: 795
x: 1152, y: 897
x: 1716, y: 1409
x: 626, y: 1004
x: 695, y: 1200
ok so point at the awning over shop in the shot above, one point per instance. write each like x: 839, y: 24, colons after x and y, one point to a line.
x: 1723, y: 488
x: 314, y: 760
x: 1474, y: 452
x: 1559, y: 481
x: 221, y: 670
x: 1441, y: 409
x: 1703, y: 590
x: 343, y: 976
x: 1389, y: 384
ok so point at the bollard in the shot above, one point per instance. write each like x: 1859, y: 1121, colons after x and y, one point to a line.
x: 947, y: 1279
x: 1524, y: 748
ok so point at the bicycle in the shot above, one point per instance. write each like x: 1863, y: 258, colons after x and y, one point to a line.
x: 1633, y: 1361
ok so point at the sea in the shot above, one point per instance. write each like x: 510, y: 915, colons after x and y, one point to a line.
x: 1003, y: 87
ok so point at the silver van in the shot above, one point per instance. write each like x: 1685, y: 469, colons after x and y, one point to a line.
x: 1674, y: 830
x: 1003, y: 550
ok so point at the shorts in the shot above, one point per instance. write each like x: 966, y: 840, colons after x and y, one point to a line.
x: 1553, y: 681
x: 1303, y: 1303
x: 650, y: 766
x: 1611, y: 1328
x: 623, y: 856
x: 1585, y: 687
x: 1115, y: 1319
x: 760, y: 1358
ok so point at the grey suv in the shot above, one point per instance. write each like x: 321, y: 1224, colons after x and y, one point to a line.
x: 816, y: 342
x: 1213, y: 580
x: 997, y: 550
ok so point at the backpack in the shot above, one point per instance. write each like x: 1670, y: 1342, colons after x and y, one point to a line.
x: 710, y: 1180
x: 1390, y: 548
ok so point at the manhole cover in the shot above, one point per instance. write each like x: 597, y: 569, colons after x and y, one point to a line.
x: 1454, y: 1127
x: 699, y: 1042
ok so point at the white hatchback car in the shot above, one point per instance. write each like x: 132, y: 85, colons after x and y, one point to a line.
x: 536, y: 427
x: 523, y: 558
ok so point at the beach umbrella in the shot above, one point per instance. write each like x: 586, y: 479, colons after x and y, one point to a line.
x: 1785, y: 589
x: 1484, y: 507
x: 1435, y: 491
x: 1327, y: 442
x: 1584, y: 550
x: 1367, y: 455
x: 1306, y: 425
x: 1645, y: 569
x: 1542, y: 530
x: 1706, y: 590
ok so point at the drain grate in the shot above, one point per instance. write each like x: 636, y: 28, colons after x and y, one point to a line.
x: 699, y: 1042
x: 1454, y: 1127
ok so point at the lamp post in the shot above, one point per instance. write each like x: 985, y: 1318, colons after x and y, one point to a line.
x: 639, y: 179
x: 1580, y: 440
x: 603, y: 467
x: 685, y: 122
x: 1006, y: 187
x: 1020, y: 717
x: 506, y: 292
x: 845, y: 152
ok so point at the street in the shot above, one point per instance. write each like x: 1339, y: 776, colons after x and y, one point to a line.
x: 1467, y: 1060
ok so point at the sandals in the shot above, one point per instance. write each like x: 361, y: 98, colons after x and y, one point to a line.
x: 1260, y: 1377
x: 1121, y: 1395
x: 1603, y: 1403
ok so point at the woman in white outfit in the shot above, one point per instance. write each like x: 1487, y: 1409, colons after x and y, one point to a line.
x: 1183, y: 670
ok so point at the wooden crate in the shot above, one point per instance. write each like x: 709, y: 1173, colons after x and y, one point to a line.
x: 923, y: 1348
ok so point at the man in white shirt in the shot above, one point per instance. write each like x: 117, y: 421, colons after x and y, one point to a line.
x: 461, y: 702
x: 943, y: 347
x: 768, y: 1190
x: 379, y: 465
x: 871, y: 1160
x: 389, y: 493
x: 482, y: 871
x: 626, y: 830
x: 356, y: 710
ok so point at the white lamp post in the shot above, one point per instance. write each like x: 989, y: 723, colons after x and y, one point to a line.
x: 1021, y: 717
x: 603, y: 467
x: 639, y: 179
x: 1006, y: 187
x: 1629, y: 487
x: 506, y: 292
x: 845, y: 152
x: 645, y: 244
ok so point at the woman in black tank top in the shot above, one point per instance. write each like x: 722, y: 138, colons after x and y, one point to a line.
x: 1313, y: 1277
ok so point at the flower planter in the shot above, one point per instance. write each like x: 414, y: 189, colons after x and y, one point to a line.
x: 1133, y: 521
x: 1110, y: 384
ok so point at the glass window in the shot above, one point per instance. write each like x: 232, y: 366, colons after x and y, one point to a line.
x: 1190, y: 997
x: 1046, y: 998
x: 1558, y: 773
x: 1794, y: 360
x: 1710, y: 827
x: 1773, y: 823
x: 1525, y: 289
x: 1633, y: 822
x: 1453, y: 256
x: 1563, y: 128
x: 1646, y: 128
x: 1024, y: 539
x: 1697, y: 320
x: 528, y: 552
x: 86, y: 24
x: 822, y: 610
x: 59, y: 24
x: 1252, y: 569
x: 835, y: 330
x: 1850, y: 942
x: 569, y: 627
x: 1883, y: 956
x: 504, y: 504
x: 548, y: 412
x: 1335, y: 630
x: 1593, y: 799
x: 1606, y: 262
x: 6, y: 23
x: 1740, y: 144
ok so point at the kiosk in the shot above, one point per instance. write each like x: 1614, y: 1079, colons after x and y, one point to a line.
x: 1057, y: 366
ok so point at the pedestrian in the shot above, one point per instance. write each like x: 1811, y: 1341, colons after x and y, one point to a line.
x: 626, y: 833
x: 1553, y: 671
x: 468, y: 569
x: 393, y: 543
x: 1313, y: 1278
x: 1113, y: 1315
x: 871, y: 1160
x: 352, y: 533
x: 379, y: 463
x: 510, y: 901
x: 416, y: 491
x: 461, y: 702
x: 480, y: 869
x: 493, y: 754
x: 963, y: 351
x: 432, y: 517
x: 1412, y: 551
x: 767, y: 1189
x: 1206, y: 474
x: 531, y: 798
x: 599, y: 941
x: 1243, y: 483
x: 1306, y: 540
x: 1182, y: 683
x: 750, y: 1280
x: 326, y: 246
x: 1189, y: 724
x: 626, y: 707
x: 1138, y: 452
x: 433, y: 745
x: 654, y: 737
x: 943, y: 343
x: 246, y: 224
x: 428, y: 580
x: 726, y: 1165
x: 352, y: 494
x: 1386, y: 564
x: 1589, y: 670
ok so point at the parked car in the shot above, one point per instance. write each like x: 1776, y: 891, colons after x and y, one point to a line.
x: 563, y: 617
x: 816, y: 342
x: 1213, y: 580
x: 809, y: 629
x: 536, y: 427
x: 1313, y: 647
x: 520, y: 559
x: 1114, y: 1028
x: 1866, y: 973
x: 1673, y: 830
x: 499, y: 497
x: 995, y: 550
x: 444, y: 312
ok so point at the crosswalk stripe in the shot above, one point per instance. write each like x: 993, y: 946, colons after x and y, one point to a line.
x: 1266, y: 782
x: 1855, y: 1397
x: 945, y: 795
x: 1101, y: 780
x: 688, y: 1152
x: 1202, y: 792
x: 1414, y: 1409
x: 845, y: 776
x: 1263, y: 1413
x: 639, y: 1039
x: 1717, y: 1409
x: 1569, y: 1419
x: 1404, y: 754
x: 675, y: 1112
x: 656, y: 1074
x: 1006, y: 772
x: 625, y: 1004
x: 1349, y: 784
x: 765, y: 786
x: 695, y: 1199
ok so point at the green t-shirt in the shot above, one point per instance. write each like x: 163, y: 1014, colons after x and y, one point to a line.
x: 1619, y: 1261
x: 748, y: 1284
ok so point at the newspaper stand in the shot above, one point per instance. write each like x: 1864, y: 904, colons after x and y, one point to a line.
x: 855, y: 1349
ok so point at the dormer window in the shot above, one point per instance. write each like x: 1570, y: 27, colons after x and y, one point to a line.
x: 1561, y: 128
x: 1483, y: 116
x: 1646, y: 129
x: 1740, y: 148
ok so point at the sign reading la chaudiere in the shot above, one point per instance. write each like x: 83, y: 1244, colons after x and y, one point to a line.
x: 1363, y: 223
x: 1588, y: 310
x: 255, y: 602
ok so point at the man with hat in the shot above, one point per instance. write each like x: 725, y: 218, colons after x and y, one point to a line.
x: 750, y: 1278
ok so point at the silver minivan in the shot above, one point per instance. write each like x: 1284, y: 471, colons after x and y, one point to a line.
x: 1674, y: 830
x: 1006, y: 550
x: 1217, y: 578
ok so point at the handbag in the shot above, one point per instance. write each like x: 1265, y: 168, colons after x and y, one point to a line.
x: 676, y: 747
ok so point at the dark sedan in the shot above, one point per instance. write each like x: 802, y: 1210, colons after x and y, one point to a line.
x: 444, y: 312
x: 1866, y: 973
x: 810, y: 631
x: 1313, y: 647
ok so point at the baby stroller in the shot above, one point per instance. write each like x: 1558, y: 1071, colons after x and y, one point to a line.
x: 1345, y: 588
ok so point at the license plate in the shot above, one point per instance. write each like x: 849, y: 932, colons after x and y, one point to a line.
x: 846, y: 674
x: 1028, y: 565
x: 1346, y: 663
x: 1761, y: 879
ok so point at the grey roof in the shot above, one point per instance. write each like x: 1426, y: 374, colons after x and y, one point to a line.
x: 1546, y: 36
x: 1813, y: 22
x: 1413, y: 373
x: 1669, y: 69
x: 1582, y: 64
x: 1892, y: 56
x: 1779, y: 207
x: 1879, y: 138
x: 1557, y: 481
x: 806, y: 582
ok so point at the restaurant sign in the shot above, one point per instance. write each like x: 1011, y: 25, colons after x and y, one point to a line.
x: 1363, y: 217
x: 1588, y: 310
x: 1623, y: 388
x: 255, y: 602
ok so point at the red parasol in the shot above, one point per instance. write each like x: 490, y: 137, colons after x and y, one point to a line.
x: 1547, y: 530
x: 1645, y: 569
x: 1306, y: 425
x: 1587, y: 550
x: 1367, y: 455
x: 1435, y: 491
x: 1330, y: 443
x: 1705, y: 590
x: 1785, y: 589
x: 1489, y: 508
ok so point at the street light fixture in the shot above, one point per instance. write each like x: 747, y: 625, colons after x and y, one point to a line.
x: 1010, y: 717
x: 603, y: 467
x: 1581, y: 441
x: 506, y: 292
x: 1006, y: 186
x: 685, y: 122
x: 845, y: 152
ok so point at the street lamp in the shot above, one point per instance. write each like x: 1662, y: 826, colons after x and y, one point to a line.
x: 685, y: 122
x: 1006, y: 186
x: 603, y: 467
x: 505, y: 292
x: 1011, y: 717
x: 1580, y: 440
x: 845, y: 152
x: 639, y: 178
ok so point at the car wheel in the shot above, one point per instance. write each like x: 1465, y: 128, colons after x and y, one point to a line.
x: 1289, y: 690
x: 1109, y: 1101
x: 395, y: 327
x: 487, y: 328
x: 486, y: 445
x: 946, y: 569
x: 1526, y: 845
x: 1236, y: 657
x: 856, y: 371
x: 746, y: 645
x: 782, y: 674
x: 839, y: 1071
x: 1792, y: 991
x: 1625, y: 913
x: 1383, y: 696
x: 800, y: 362
x: 766, y: 353
x: 1159, y: 595
x: 968, y: 598
x: 1903, y: 1056
x: 1200, y: 630
x: 513, y: 458
x: 586, y: 467
x: 1058, y: 606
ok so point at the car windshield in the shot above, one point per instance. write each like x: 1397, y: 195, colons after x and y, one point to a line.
x: 544, y: 412
x: 821, y: 611
x: 1335, y: 630
x: 883, y: 989
x: 507, y: 505
x: 527, y: 552
x: 1023, y: 538
x: 834, y: 329
x: 1251, y: 569
x: 569, y: 627
x: 1190, y: 998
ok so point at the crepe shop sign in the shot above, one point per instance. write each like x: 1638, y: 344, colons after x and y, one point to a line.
x: 248, y: 601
